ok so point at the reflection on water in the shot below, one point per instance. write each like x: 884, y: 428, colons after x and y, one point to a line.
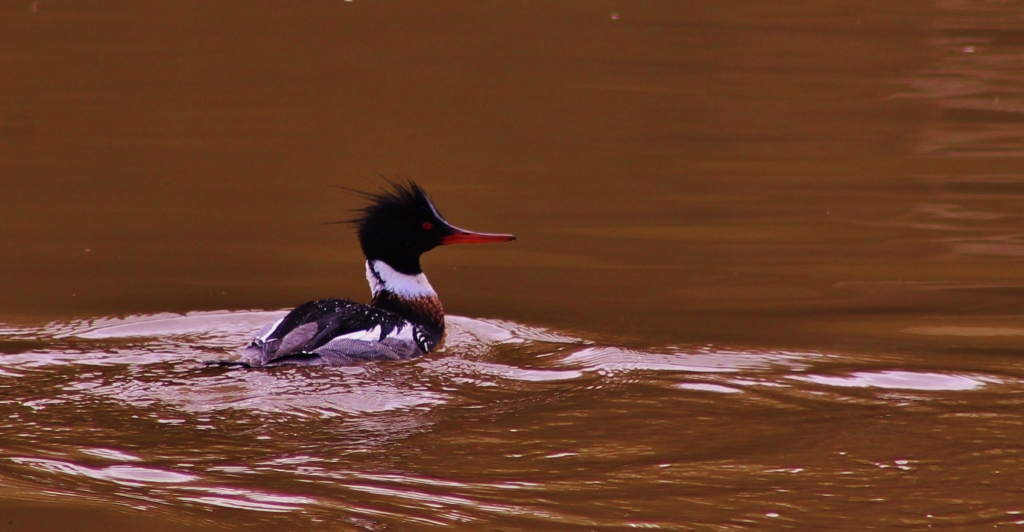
x: 371, y: 444
x: 902, y: 380
x: 977, y: 82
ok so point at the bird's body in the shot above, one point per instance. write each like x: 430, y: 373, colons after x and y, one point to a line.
x: 403, y: 320
x: 340, y: 332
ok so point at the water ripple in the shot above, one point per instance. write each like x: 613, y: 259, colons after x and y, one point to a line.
x: 550, y: 417
x: 121, y: 474
x: 901, y: 380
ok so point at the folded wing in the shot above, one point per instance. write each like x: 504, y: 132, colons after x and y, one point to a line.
x: 332, y: 331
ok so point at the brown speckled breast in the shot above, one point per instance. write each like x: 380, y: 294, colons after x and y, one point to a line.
x: 424, y: 311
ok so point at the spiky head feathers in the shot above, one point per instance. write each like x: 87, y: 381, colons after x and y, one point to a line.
x: 399, y: 225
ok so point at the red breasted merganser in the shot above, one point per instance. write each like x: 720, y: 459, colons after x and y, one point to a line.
x: 404, y: 318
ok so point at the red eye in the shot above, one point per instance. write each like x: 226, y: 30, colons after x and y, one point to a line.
x: 428, y: 226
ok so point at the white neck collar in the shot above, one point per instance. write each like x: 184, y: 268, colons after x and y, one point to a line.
x: 385, y: 278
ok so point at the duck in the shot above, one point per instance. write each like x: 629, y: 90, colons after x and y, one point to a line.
x: 404, y: 318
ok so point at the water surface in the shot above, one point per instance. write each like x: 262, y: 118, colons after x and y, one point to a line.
x: 507, y: 424
x: 768, y: 271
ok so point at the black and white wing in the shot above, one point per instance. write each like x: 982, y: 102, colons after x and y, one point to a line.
x: 333, y: 332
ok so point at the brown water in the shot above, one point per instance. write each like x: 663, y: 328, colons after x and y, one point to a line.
x: 768, y: 271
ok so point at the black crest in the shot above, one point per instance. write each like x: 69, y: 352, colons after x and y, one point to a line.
x: 398, y: 225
